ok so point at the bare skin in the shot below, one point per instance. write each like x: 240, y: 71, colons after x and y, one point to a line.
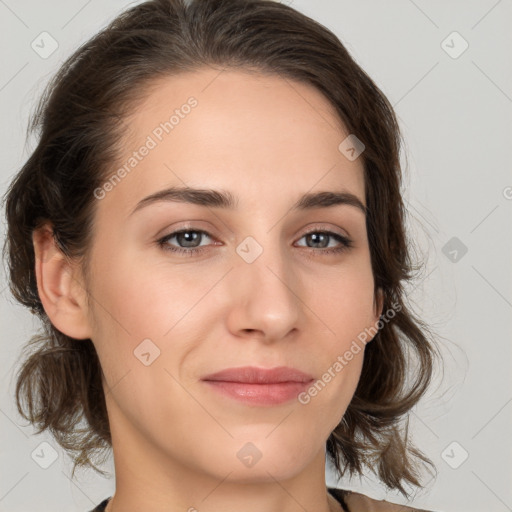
x: 176, y: 441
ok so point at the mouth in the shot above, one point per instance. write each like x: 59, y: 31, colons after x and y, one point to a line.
x: 259, y: 386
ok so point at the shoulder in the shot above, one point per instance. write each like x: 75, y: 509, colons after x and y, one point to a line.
x: 359, y: 502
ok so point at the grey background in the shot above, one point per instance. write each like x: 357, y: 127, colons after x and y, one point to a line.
x: 456, y: 117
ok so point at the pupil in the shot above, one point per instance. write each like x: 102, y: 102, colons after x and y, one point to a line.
x: 317, y: 236
x: 190, y: 236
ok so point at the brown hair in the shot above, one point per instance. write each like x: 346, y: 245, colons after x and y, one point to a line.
x: 79, y: 119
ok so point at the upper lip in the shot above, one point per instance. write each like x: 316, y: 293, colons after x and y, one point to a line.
x: 254, y: 375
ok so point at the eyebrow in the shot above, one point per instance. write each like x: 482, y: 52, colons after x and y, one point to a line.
x: 227, y: 200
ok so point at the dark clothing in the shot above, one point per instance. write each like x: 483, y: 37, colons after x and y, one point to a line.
x: 336, y: 493
x: 101, y: 506
x: 357, y: 501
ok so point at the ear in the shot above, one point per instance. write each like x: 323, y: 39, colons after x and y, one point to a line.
x: 60, y: 286
x: 378, y: 304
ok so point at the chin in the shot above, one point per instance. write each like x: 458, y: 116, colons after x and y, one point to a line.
x: 266, y: 458
x: 263, y: 472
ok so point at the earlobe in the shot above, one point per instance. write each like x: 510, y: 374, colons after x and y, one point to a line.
x: 60, y: 290
x: 379, y: 304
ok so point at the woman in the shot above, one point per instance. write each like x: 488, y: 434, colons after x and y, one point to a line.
x: 211, y: 230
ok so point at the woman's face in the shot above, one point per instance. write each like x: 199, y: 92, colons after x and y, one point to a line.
x: 267, y: 288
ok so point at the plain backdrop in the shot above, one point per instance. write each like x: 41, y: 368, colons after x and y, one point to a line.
x: 446, y: 67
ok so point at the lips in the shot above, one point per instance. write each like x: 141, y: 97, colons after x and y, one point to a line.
x: 254, y: 375
x: 259, y: 386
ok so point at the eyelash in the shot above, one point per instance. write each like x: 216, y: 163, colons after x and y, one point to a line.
x: 346, y: 243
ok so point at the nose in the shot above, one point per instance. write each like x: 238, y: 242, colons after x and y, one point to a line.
x: 266, y: 301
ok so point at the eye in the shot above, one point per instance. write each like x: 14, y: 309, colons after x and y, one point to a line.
x: 188, y: 237
x: 321, y: 238
x: 190, y: 240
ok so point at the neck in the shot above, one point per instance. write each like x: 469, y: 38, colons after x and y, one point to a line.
x: 333, y: 505
x: 181, y: 476
x: 148, y: 480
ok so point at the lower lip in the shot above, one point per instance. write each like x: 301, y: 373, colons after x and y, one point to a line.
x: 260, y: 394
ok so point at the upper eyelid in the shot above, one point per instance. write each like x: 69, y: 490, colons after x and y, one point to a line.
x: 314, y: 229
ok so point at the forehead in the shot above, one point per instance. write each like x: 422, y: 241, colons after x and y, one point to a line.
x: 259, y: 135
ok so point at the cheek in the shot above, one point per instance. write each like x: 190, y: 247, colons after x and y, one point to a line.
x: 138, y: 298
x: 135, y: 301
x: 343, y: 300
x: 343, y: 305
x: 125, y: 307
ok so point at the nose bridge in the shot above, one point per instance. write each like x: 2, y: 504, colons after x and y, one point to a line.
x: 267, y: 299
x: 266, y: 258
